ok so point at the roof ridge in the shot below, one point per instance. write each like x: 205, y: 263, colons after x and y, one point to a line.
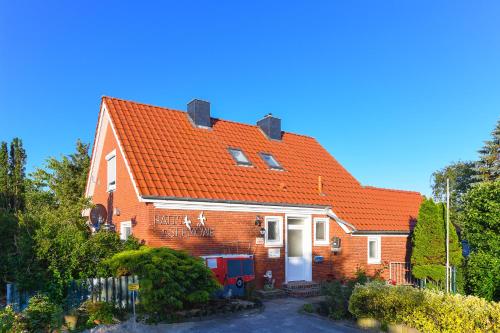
x: 145, y: 104
x: 390, y: 189
x: 218, y: 119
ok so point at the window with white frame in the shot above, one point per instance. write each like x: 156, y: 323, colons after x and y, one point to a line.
x: 374, y: 249
x: 111, y: 181
x: 321, y: 231
x: 125, y: 230
x: 274, y: 231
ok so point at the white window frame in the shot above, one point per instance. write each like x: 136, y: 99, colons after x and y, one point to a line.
x: 109, y: 157
x: 274, y: 243
x: 247, y: 161
x: 378, y: 248
x: 326, y: 241
x: 123, y: 226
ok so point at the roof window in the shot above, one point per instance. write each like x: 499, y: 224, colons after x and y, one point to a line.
x: 239, y: 156
x: 271, y: 161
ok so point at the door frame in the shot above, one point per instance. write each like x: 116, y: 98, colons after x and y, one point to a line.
x: 307, y: 243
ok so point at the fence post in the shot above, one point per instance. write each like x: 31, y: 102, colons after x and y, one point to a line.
x: 9, y: 293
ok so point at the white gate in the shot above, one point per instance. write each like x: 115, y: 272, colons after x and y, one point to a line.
x: 400, y: 273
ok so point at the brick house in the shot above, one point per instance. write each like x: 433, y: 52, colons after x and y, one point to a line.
x: 189, y: 181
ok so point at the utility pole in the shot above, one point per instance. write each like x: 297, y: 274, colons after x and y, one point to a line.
x: 447, y: 235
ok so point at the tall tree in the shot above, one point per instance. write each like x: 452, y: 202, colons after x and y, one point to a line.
x: 4, y: 177
x: 462, y: 177
x: 429, y: 243
x: 58, y: 199
x: 17, y: 173
x: 482, y: 231
x: 488, y: 166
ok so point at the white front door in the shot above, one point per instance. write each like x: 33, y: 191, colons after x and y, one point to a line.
x: 298, y: 249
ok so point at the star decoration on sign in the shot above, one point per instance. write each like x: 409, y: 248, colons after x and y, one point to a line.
x: 202, y: 219
x: 187, y: 222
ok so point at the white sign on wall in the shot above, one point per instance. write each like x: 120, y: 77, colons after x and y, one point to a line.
x: 273, y: 252
x: 259, y: 240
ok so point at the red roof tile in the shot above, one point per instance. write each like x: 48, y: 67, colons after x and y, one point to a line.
x: 169, y: 157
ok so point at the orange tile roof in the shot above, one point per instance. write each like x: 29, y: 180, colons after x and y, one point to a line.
x: 169, y: 157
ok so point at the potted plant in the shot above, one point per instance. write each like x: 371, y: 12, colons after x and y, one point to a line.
x: 71, y: 319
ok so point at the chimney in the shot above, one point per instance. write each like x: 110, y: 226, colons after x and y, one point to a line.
x: 199, y: 112
x: 271, y: 126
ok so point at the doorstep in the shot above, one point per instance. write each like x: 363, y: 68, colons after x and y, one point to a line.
x: 302, y: 289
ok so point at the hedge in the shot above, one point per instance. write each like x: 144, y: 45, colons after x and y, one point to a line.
x: 170, y: 280
x: 425, y: 310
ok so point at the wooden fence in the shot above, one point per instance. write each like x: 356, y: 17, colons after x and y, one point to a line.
x: 113, y: 290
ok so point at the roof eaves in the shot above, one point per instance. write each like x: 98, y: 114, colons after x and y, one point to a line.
x: 152, y: 198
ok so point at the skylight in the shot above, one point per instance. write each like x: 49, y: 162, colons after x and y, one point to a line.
x: 239, y: 156
x: 271, y: 161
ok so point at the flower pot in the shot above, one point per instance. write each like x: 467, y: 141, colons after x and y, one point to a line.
x: 368, y: 323
x: 71, y: 321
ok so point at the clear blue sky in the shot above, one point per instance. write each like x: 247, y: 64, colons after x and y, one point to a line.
x: 393, y: 89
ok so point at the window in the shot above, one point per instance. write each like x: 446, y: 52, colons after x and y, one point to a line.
x: 374, y: 249
x: 271, y: 161
x: 125, y: 230
x: 239, y: 156
x: 321, y: 231
x: 111, y: 158
x: 274, y: 231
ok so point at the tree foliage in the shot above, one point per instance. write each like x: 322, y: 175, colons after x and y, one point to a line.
x: 488, y: 166
x: 45, y: 242
x: 482, y: 230
x: 462, y: 177
x: 429, y: 243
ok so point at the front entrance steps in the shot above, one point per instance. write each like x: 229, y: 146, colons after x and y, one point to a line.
x: 302, y: 289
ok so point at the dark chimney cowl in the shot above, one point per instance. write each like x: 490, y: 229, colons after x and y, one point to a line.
x: 199, y: 112
x: 271, y: 126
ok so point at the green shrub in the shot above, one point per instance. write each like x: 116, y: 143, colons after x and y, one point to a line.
x: 308, y: 307
x: 336, y: 300
x: 99, y: 312
x: 337, y: 294
x: 7, y: 318
x: 169, y: 280
x: 425, y: 310
x: 42, y: 315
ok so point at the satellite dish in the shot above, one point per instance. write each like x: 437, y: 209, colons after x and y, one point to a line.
x: 98, y: 215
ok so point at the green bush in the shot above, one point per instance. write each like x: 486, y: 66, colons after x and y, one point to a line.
x: 99, y: 312
x: 7, y: 318
x: 42, y: 315
x: 425, y: 310
x: 336, y: 300
x: 337, y: 294
x: 308, y: 307
x: 483, y: 275
x: 169, y: 280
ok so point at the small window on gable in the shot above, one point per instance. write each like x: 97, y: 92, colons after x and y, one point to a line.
x: 374, y: 250
x: 111, y: 176
x: 321, y: 231
x: 125, y: 230
x: 271, y: 161
x: 239, y: 156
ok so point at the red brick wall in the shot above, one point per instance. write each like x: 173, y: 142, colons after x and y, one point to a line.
x: 234, y: 232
